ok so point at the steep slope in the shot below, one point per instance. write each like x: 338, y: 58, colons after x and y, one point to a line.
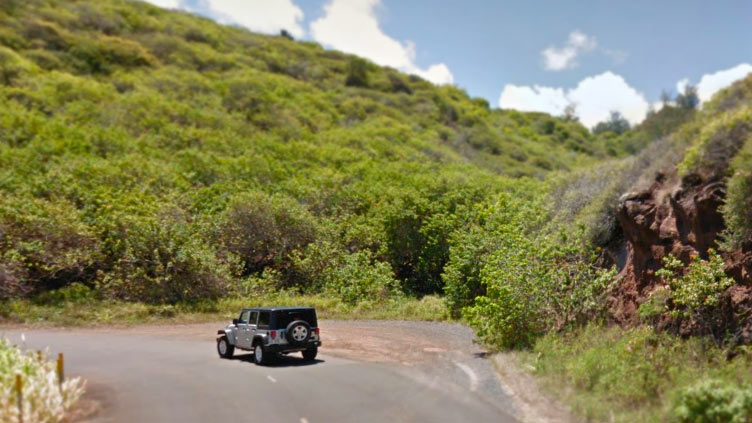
x: 694, y: 205
x: 157, y: 156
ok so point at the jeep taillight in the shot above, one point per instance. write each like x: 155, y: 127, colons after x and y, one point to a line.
x: 316, y: 331
x: 273, y: 334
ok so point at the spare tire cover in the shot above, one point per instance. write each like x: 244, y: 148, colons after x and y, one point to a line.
x: 298, y: 332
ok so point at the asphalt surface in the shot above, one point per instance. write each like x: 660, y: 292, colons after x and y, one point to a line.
x: 152, y: 377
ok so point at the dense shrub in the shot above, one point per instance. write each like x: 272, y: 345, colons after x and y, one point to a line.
x: 357, y: 277
x: 528, y: 283
x: 106, y: 53
x: 11, y: 66
x: 163, y: 261
x: 696, y: 290
x: 468, y: 256
x: 713, y: 401
x: 357, y: 73
x: 640, y: 375
x: 262, y: 231
x: 718, y: 142
x: 697, y: 287
x: 536, y: 286
x: 737, y: 211
x: 43, y: 245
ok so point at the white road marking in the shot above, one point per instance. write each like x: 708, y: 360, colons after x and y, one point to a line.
x: 470, y: 373
x: 271, y: 379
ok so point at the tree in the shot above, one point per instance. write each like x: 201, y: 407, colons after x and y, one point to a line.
x: 689, y: 99
x: 570, y: 112
x: 651, y: 111
x: 616, y: 124
x: 286, y: 34
x: 665, y: 98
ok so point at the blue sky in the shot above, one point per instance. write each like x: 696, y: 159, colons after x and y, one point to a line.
x: 529, y: 55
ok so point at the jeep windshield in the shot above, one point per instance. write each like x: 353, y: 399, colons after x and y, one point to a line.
x: 284, y: 317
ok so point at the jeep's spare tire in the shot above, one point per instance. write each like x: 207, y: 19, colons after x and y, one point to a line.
x: 298, y: 332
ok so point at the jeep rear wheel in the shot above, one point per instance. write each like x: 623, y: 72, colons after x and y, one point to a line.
x: 224, y: 348
x: 310, y: 353
x: 260, y: 355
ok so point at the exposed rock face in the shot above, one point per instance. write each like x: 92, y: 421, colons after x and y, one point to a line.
x: 682, y: 218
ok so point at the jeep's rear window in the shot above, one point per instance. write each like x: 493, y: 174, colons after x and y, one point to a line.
x: 263, y: 321
x: 284, y: 317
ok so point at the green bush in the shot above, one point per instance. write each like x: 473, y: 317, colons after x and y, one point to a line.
x: 533, y: 284
x: 75, y: 293
x: 714, y: 401
x: 640, y: 375
x: 697, y: 288
x: 357, y: 72
x: 695, y: 292
x: 737, y: 211
x: 106, y: 53
x: 359, y: 278
x: 43, y: 245
x: 718, y: 142
x: 655, y: 306
x: 163, y: 261
x: 262, y: 231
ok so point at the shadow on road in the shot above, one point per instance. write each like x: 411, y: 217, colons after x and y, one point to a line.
x: 281, y: 361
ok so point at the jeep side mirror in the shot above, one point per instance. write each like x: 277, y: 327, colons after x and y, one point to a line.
x: 235, y: 321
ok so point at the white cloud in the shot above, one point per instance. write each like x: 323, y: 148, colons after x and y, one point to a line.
x: 267, y: 16
x: 682, y: 85
x: 167, y: 4
x: 617, y: 56
x: 438, y: 74
x: 711, y: 83
x: 533, y: 99
x: 557, y: 59
x: 352, y: 26
x: 595, y: 97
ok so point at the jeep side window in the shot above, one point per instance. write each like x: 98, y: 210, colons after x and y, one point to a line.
x: 244, y: 316
x: 263, y: 321
x: 254, y: 317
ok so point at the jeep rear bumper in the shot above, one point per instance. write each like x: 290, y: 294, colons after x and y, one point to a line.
x: 276, y: 348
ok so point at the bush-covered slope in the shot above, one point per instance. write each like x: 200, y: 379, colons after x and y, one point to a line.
x: 160, y: 157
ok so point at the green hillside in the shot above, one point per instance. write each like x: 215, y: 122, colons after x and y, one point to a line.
x: 157, y: 156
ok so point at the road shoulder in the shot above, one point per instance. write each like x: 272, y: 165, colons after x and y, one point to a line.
x: 531, y: 403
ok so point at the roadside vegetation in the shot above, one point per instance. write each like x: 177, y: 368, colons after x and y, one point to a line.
x: 640, y: 375
x: 77, y: 306
x: 44, y: 400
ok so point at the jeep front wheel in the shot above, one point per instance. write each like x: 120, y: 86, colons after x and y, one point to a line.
x: 310, y: 353
x: 224, y: 348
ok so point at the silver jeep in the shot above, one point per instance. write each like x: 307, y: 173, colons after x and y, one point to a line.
x: 268, y: 331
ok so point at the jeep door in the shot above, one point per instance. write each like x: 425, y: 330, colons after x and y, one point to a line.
x: 243, y: 333
x: 252, y: 320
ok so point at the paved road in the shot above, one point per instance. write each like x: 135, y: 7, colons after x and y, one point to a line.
x: 142, y: 377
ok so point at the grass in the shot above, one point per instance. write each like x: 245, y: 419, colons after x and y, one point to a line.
x: 634, y: 375
x: 44, y: 401
x: 92, y: 312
